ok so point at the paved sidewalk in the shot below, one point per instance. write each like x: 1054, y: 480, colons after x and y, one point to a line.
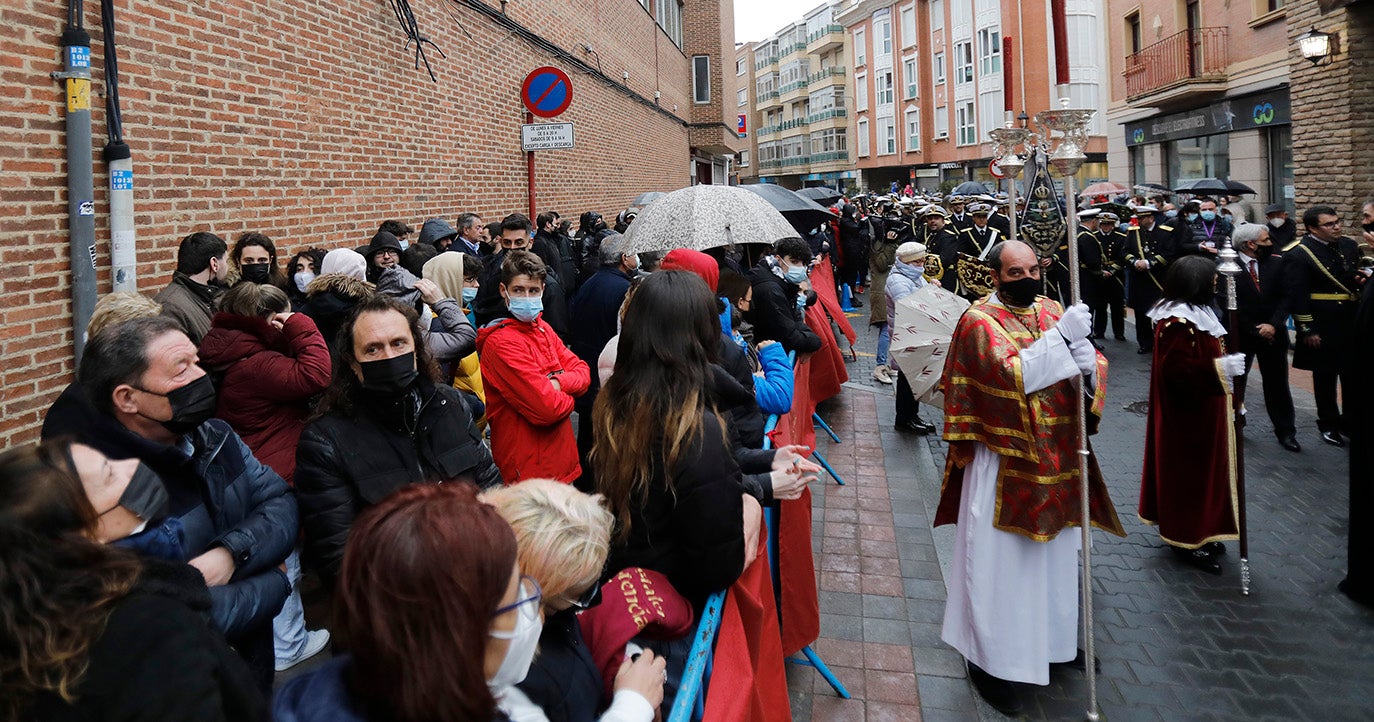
x: 1174, y: 643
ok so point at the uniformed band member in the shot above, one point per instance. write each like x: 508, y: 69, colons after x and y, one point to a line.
x: 981, y: 232
x: 1055, y: 269
x: 1324, y: 281
x: 1262, y: 316
x: 1109, y: 243
x: 1145, y: 264
x: 998, y: 218
x: 943, y: 242
x: 958, y: 219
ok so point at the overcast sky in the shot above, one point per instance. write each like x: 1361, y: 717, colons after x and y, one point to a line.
x: 757, y: 19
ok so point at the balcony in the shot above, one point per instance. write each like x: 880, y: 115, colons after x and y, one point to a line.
x: 765, y: 61
x: 825, y: 77
x: 793, y: 90
x: 826, y: 39
x: 766, y: 100
x: 825, y: 115
x: 1179, y: 68
x: 784, y: 125
x: 834, y: 156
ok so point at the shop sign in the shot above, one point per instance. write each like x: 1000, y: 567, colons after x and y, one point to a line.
x: 1247, y: 112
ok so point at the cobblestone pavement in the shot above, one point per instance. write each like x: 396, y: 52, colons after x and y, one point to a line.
x: 1175, y: 644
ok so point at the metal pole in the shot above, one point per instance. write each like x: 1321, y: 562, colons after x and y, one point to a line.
x: 1228, y: 265
x: 1011, y: 210
x: 76, y: 51
x: 529, y: 168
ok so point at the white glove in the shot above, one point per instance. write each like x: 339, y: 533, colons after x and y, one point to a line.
x: 1076, y: 323
x: 1233, y: 365
x: 1084, y: 356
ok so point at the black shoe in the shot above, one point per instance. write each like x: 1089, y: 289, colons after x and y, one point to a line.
x: 915, y: 426
x: 856, y: 303
x: 1142, y: 350
x: 1290, y: 442
x: 1357, y: 594
x: 999, y: 693
x: 1333, y: 438
x: 1078, y: 663
x: 1199, y: 558
x: 1119, y: 337
x: 1216, y: 549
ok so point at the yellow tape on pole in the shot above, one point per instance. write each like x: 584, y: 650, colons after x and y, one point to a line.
x: 78, y: 94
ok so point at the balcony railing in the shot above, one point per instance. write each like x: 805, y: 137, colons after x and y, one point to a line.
x: 832, y: 28
x: 794, y: 85
x: 828, y: 156
x: 1195, y: 55
x: 765, y: 61
x: 826, y: 115
x: 820, y: 75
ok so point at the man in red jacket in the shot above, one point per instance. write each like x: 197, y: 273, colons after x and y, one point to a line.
x: 531, y: 379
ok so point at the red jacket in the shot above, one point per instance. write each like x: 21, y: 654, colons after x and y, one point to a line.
x: 531, y: 436
x: 265, y: 379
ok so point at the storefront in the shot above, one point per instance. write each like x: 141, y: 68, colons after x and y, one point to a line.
x: 1247, y: 138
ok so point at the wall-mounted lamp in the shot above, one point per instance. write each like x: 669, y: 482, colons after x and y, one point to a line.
x: 1317, y: 46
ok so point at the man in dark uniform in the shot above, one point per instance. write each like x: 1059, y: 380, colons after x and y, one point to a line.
x: 981, y: 233
x: 943, y: 242
x: 1324, y: 282
x: 998, y: 218
x: 1109, y: 244
x: 1262, y: 314
x: 1282, y: 230
x: 1055, y: 269
x: 958, y: 219
x: 1145, y: 264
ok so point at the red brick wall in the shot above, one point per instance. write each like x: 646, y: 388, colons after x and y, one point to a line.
x: 306, y: 121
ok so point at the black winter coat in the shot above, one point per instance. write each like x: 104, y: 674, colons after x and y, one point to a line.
x: 159, y: 659
x: 347, y: 462
x: 693, y: 533
x: 775, y: 314
x: 564, y: 680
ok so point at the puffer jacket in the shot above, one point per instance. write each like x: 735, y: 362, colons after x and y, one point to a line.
x: 266, y: 380
x: 222, y: 494
x: 350, y: 459
x: 330, y: 298
x: 531, y: 434
x: 902, y: 282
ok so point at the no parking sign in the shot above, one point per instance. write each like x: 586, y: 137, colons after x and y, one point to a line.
x: 546, y: 92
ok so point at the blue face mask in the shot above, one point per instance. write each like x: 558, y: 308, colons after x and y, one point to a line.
x: 795, y: 274
x: 526, y: 309
x: 1209, y: 216
x: 469, y: 294
x: 1190, y: 217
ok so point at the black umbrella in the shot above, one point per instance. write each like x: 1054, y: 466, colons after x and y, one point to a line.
x: 803, y: 213
x: 1153, y: 187
x: 1204, y: 186
x: 821, y: 194
x: 969, y: 188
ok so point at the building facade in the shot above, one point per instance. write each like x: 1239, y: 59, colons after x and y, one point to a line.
x: 932, y: 77
x: 314, y: 122
x: 796, y: 104
x: 1201, y: 90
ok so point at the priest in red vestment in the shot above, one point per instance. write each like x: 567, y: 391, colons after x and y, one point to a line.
x: 1188, y: 483
x: 1016, y: 364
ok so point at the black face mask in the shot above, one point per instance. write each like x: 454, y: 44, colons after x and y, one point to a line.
x: 192, y: 405
x: 391, y: 375
x: 256, y: 272
x: 1263, y: 252
x: 145, y: 495
x: 1021, y: 292
x: 1368, y: 227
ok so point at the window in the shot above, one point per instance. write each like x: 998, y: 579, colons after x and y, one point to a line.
x: 966, y: 122
x: 908, y: 26
x: 861, y: 92
x: 942, y: 122
x: 701, y: 79
x: 989, y: 51
x: 937, y: 70
x: 887, y: 136
x: 668, y: 13
x: 913, y: 129
x: 743, y: 96
x: 963, y: 62
x: 882, y: 82
x: 740, y: 65
x: 1133, y: 36
x: 937, y: 15
x: 910, y: 77
x: 832, y: 142
x: 862, y: 140
x: 743, y: 161
x: 882, y: 30
x: 860, y: 48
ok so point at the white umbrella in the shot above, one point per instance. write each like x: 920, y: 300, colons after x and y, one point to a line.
x: 706, y: 216
x: 923, y: 328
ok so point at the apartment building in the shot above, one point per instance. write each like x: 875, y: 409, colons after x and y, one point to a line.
x: 1201, y: 90
x: 932, y: 77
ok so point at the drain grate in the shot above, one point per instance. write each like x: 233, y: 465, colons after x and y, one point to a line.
x: 1138, y: 407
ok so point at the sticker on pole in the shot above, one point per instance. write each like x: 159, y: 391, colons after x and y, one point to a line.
x: 546, y: 136
x: 995, y: 169
x: 547, y: 92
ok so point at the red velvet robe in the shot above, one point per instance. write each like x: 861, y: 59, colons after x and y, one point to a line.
x: 1188, y: 484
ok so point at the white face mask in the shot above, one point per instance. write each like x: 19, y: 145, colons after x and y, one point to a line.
x: 303, y: 279
x: 1276, y: 221
x: 524, y: 642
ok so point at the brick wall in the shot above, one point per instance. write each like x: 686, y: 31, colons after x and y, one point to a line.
x: 1332, y: 107
x: 309, y: 122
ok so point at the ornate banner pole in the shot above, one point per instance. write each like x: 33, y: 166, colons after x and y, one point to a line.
x: 1228, y: 265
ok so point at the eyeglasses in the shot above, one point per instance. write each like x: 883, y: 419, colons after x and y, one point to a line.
x: 1332, y: 224
x: 389, y: 252
x: 529, y: 592
x: 588, y: 599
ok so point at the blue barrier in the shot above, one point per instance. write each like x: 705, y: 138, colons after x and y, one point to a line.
x: 691, y: 692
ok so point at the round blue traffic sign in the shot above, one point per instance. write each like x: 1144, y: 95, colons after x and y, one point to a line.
x: 547, y: 92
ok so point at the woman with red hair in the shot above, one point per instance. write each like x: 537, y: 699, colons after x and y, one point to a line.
x: 432, y: 610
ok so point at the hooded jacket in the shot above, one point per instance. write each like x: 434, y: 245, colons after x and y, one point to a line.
x: 531, y: 435
x: 349, y: 460
x: 329, y: 300
x: 226, y: 498
x: 775, y: 313
x: 435, y: 230
x: 266, y: 379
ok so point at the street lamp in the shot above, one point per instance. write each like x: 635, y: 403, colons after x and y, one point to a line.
x: 1317, y: 46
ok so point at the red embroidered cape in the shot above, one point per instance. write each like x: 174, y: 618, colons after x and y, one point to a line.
x: 1038, y: 492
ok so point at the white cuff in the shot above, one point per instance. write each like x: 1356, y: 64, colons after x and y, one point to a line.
x: 628, y: 706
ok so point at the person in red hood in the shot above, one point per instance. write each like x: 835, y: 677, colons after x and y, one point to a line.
x: 531, y: 379
x: 686, y: 259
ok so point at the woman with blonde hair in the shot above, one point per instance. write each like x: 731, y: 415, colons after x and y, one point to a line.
x: 115, y: 308
x: 562, y: 538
